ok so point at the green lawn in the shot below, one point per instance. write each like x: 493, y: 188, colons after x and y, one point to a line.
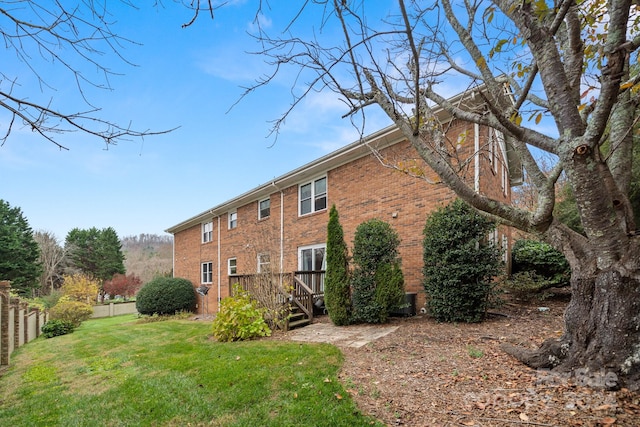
x: 116, y: 372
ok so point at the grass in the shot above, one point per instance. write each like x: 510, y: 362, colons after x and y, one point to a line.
x: 117, y: 372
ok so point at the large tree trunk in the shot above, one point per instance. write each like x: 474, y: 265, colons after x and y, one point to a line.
x: 601, y: 343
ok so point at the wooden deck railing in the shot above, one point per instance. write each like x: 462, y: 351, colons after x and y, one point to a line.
x: 301, y: 289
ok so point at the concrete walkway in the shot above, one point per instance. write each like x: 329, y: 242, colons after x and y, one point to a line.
x: 341, y: 336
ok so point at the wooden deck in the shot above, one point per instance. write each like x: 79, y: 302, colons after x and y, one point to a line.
x: 298, y: 295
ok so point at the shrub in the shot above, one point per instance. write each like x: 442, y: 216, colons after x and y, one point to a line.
x: 459, y: 263
x: 239, y: 318
x: 74, y: 312
x: 166, y: 295
x: 527, y: 285
x: 377, y: 285
x: 543, y: 260
x: 78, y: 287
x: 389, y: 288
x: 56, y: 327
x: 337, y: 294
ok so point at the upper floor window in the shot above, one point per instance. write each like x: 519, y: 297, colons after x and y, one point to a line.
x: 264, y: 208
x: 233, y: 219
x: 232, y: 265
x: 313, y: 196
x: 207, y: 232
x: 207, y: 272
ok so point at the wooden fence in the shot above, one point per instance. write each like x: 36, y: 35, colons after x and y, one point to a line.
x: 19, y: 324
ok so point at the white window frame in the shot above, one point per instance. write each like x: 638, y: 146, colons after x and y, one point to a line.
x: 314, y: 197
x: 234, y: 266
x: 316, y: 286
x: 268, y: 199
x: 262, y: 263
x: 233, y: 219
x: 206, y: 276
x: 207, y: 232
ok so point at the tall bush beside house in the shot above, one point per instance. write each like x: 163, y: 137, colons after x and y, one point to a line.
x: 377, y: 284
x: 459, y: 263
x: 166, y: 295
x: 337, y: 294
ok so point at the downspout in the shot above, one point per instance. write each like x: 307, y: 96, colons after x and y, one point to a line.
x: 173, y: 256
x: 219, y: 271
x: 281, y: 227
x: 476, y: 157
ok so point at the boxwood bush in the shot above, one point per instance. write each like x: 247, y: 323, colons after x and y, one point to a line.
x: 56, y: 327
x: 166, y: 295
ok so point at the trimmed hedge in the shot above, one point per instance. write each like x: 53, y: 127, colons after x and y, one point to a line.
x: 166, y: 295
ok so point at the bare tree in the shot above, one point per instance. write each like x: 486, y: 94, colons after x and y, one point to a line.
x: 51, y: 256
x: 565, y: 64
x: 68, y: 38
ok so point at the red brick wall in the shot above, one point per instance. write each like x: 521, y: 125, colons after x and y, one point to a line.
x: 361, y: 190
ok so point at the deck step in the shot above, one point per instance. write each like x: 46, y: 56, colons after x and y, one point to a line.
x: 299, y: 323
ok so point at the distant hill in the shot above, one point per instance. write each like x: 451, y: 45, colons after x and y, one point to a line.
x: 148, y: 255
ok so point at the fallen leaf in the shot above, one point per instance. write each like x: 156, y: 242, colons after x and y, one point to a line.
x: 523, y: 416
x: 607, y: 421
x: 468, y: 423
x: 327, y: 380
x: 338, y: 396
x: 237, y: 357
x: 603, y: 408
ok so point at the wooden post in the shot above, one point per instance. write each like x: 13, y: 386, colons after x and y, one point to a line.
x: 4, y: 322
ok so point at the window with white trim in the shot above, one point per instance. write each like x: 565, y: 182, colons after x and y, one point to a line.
x: 313, y: 196
x: 207, y: 232
x: 232, y: 266
x: 233, y: 219
x: 313, y: 258
x: 207, y: 272
x: 264, y: 263
x: 264, y: 208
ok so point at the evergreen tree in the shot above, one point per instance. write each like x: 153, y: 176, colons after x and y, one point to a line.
x: 95, y: 253
x: 336, y: 285
x: 19, y: 252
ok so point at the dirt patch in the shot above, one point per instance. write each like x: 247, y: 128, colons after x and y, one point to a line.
x: 432, y: 374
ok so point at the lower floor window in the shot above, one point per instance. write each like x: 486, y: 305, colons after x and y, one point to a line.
x: 207, y: 272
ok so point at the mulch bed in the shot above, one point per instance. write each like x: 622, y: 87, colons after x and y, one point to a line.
x: 435, y: 374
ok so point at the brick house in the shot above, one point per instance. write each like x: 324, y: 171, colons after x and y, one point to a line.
x: 283, y: 222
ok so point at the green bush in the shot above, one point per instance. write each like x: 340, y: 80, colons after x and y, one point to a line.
x: 166, y: 295
x: 74, y: 312
x: 527, y: 285
x: 543, y: 260
x: 459, y: 263
x: 337, y: 293
x: 239, y: 318
x: 56, y: 327
x: 377, y: 283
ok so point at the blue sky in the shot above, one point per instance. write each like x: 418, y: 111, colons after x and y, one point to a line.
x: 183, y: 77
